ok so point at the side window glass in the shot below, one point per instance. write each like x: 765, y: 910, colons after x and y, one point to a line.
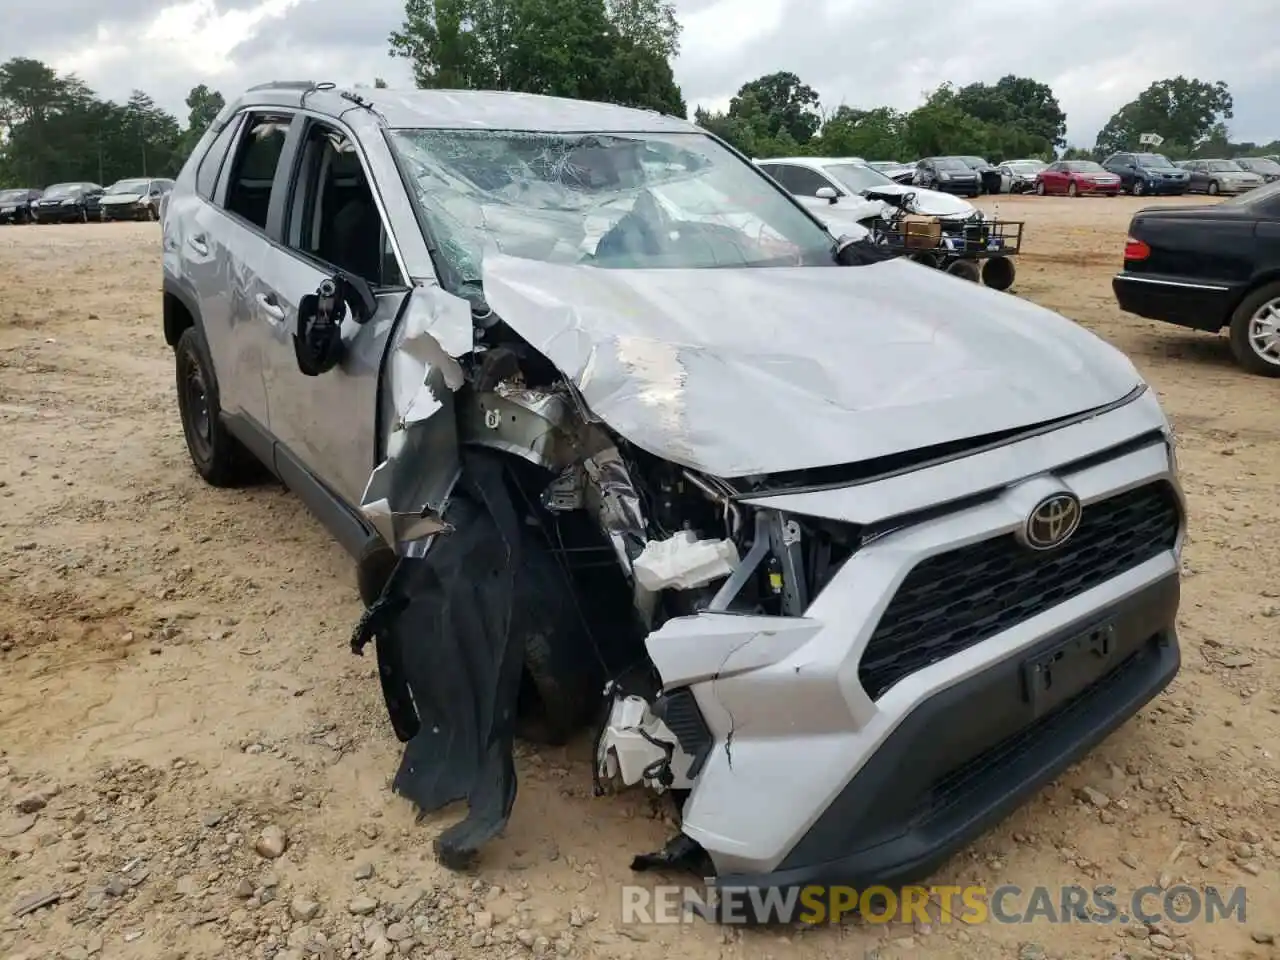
x: 211, y: 162
x: 332, y: 214
x: 254, y: 167
x: 805, y: 182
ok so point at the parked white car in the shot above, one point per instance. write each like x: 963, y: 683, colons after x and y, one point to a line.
x: 1019, y: 176
x: 841, y: 190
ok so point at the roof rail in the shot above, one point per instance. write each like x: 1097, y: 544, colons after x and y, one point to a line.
x: 285, y: 85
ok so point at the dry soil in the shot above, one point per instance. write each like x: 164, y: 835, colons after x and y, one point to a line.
x: 177, y: 683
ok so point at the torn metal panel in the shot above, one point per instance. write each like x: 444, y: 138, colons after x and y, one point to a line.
x: 787, y: 368
x: 407, y: 491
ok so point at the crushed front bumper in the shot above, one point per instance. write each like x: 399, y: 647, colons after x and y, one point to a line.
x: 824, y: 768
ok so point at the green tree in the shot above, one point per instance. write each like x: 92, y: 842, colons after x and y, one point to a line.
x: 1020, y: 108
x: 1185, y: 111
x: 787, y: 104
x: 873, y: 134
x: 568, y: 48
x: 941, y: 126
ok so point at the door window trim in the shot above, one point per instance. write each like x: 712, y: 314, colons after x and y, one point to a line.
x: 219, y: 199
x: 291, y: 161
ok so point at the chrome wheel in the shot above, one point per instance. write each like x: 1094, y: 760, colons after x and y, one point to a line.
x: 1264, y: 332
x: 1137, y: 188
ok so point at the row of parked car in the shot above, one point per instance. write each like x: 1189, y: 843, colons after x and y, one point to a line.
x: 135, y: 198
x: 1136, y: 173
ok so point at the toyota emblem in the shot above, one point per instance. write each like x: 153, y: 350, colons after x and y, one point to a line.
x: 1052, y: 522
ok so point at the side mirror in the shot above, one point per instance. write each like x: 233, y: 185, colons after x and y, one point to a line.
x: 827, y: 193
x: 317, y: 343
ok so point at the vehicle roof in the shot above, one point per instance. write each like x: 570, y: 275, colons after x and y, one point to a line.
x: 466, y: 109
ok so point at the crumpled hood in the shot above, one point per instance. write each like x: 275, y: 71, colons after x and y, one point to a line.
x: 930, y: 203
x: 745, y: 371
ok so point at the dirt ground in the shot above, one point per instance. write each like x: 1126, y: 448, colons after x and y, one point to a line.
x: 176, y: 682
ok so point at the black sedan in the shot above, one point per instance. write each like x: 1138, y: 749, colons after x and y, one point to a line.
x: 1210, y: 267
x: 69, y: 202
x: 988, y: 174
x: 15, y: 205
x: 948, y: 174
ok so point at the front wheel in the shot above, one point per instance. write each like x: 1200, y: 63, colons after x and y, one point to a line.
x: 1073, y: 191
x: 1255, y: 331
x: 1040, y: 189
x: 1138, y: 188
x: 1213, y: 188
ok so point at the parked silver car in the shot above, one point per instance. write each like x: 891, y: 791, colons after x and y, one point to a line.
x: 1220, y: 176
x: 851, y: 555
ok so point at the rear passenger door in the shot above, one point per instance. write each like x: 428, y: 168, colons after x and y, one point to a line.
x: 328, y: 220
x: 225, y: 248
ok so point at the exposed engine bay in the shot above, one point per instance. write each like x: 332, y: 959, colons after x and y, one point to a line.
x: 522, y: 597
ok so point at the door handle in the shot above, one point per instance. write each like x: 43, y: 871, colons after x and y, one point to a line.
x: 198, y: 245
x: 269, y: 305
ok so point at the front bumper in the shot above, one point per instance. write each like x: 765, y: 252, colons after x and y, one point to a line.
x: 125, y: 211
x: 969, y: 755
x: 849, y: 780
x: 1158, y: 186
x: 962, y: 188
x: 1232, y: 188
x: 63, y: 214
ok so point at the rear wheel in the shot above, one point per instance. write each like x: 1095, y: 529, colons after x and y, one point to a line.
x: 998, y: 273
x: 1255, y: 331
x: 217, y: 456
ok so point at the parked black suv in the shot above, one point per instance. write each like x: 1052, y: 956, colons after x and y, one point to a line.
x: 67, y: 202
x: 1147, y: 173
x: 15, y: 205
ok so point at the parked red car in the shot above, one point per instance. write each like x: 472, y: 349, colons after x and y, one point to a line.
x: 1076, y: 177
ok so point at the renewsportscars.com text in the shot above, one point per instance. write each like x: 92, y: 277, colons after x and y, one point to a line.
x: 1007, y: 904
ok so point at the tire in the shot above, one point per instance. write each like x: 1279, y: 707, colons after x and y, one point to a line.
x: 217, y: 456
x: 1138, y: 189
x: 1072, y: 190
x: 84, y: 215
x: 965, y: 270
x: 998, y: 273
x: 1212, y: 189
x: 1241, y: 332
x: 1040, y: 188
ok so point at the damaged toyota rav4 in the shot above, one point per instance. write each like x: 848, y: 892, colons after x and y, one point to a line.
x: 844, y: 555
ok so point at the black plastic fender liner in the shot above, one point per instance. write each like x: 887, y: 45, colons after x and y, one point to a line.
x: 446, y: 637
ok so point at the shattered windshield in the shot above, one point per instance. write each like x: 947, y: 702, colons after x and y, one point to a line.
x: 129, y: 186
x: 633, y: 200
x: 857, y: 177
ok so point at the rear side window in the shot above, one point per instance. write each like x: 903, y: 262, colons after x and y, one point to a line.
x: 253, y: 168
x: 211, y: 162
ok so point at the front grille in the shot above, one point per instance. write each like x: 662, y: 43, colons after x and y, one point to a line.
x: 954, y: 600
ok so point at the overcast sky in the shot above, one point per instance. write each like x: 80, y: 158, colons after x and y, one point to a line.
x: 1096, y: 54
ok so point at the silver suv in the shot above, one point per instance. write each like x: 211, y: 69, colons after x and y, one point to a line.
x: 846, y: 555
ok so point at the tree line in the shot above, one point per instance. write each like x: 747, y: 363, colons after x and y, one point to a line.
x: 53, y: 127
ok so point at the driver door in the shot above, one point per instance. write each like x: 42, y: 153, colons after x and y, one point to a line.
x: 326, y: 426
